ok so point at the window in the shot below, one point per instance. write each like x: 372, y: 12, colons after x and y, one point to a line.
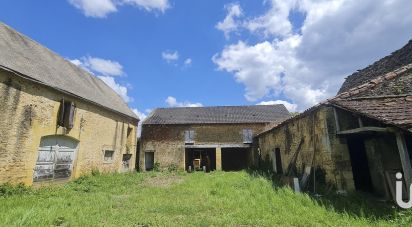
x: 126, y: 161
x: 189, y: 136
x: 108, y: 156
x: 66, y: 114
x: 247, y: 136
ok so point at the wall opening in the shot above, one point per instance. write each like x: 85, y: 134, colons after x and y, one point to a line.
x: 360, y: 165
x: 277, y: 162
x: 234, y: 159
x: 197, y: 158
x: 56, y: 155
x: 149, y: 160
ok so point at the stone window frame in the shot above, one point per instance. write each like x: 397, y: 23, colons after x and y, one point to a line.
x: 108, y: 161
x: 189, y: 136
x: 247, y: 136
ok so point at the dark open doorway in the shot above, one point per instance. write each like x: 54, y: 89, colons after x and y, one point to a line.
x: 360, y: 166
x: 234, y: 159
x: 278, y: 162
x: 197, y: 158
x: 149, y: 160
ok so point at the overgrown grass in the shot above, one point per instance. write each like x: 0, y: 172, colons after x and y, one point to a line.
x: 176, y: 199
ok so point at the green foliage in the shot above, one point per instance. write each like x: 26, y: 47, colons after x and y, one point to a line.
x: 8, y: 189
x: 180, y: 199
x: 156, y: 167
x: 172, y: 168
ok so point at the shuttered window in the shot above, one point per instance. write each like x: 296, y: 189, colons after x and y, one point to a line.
x: 66, y: 114
x: 189, y: 136
x: 247, y: 135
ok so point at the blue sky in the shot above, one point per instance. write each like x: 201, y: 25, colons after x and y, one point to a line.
x: 159, y: 53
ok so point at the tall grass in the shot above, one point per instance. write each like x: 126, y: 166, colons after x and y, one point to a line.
x: 176, y: 199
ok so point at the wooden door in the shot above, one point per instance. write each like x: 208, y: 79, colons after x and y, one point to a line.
x: 56, y: 155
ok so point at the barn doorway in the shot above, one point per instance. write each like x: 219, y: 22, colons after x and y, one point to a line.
x: 197, y: 159
x: 360, y: 166
x: 277, y: 161
x: 234, y: 159
x: 56, y: 155
x: 149, y: 160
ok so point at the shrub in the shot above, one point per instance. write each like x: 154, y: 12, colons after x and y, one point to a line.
x: 9, y: 189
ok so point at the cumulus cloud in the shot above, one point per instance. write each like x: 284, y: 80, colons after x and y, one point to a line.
x: 230, y: 24
x: 172, y: 102
x: 170, y: 56
x: 105, y: 70
x: 99, y: 65
x: 141, y: 116
x: 102, y: 8
x: 290, y: 106
x: 308, y: 64
x: 119, y: 89
x: 188, y: 62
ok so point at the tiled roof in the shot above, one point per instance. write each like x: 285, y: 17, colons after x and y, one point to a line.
x: 390, y: 110
x: 29, y: 59
x: 218, y: 114
x: 387, y: 64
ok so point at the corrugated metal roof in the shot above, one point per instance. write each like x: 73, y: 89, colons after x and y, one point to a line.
x: 24, y: 56
x: 218, y: 114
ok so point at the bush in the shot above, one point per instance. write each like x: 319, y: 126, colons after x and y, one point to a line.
x: 8, y: 189
x: 156, y: 167
x: 172, y: 168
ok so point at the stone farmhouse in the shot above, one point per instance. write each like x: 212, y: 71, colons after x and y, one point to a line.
x: 357, y: 140
x: 57, y: 121
x: 214, y: 138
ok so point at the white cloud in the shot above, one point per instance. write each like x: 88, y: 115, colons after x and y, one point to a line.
x: 105, y: 70
x: 149, y: 5
x: 101, y: 8
x: 309, y: 64
x: 119, y: 89
x: 95, y: 8
x: 170, y: 56
x: 172, y: 102
x: 229, y: 24
x: 99, y: 66
x: 290, y: 106
x: 188, y: 62
x: 141, y: 116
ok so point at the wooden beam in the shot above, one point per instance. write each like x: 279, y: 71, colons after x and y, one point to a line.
x: 363, y: 130
x: 405, y: 159
x: 228, y: 145
x: 335, y: 113
x: 360, y: 122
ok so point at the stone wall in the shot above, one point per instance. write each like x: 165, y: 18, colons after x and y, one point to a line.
x: 168, y: 141
x: 28, y: 112
x: 314, y: 137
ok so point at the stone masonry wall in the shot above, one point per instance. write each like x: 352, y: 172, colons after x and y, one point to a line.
x: 168, y: 141
x: 28, y: 112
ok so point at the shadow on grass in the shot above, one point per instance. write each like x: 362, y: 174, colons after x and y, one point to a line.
x: 356, y: 204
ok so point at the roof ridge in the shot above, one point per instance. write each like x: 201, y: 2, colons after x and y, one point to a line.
x: 374, y: 82
x: 239, y: 106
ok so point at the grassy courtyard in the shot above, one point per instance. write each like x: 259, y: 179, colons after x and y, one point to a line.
x: 176, y: 199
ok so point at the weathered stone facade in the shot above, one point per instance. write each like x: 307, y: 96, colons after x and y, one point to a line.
x: 313, y: 140
x: 168, y: 141
x: 28, y: 113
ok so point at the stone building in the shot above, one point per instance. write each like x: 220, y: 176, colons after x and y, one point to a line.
x: 57, y: 121
x: 211, y: 137
x: 358, y: 140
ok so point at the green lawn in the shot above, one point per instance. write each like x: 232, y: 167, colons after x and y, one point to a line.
x: 176, y: 199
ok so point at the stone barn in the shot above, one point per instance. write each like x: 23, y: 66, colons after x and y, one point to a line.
x: 57, y: 121
x: 357, y: 140
x: 214, y: 138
